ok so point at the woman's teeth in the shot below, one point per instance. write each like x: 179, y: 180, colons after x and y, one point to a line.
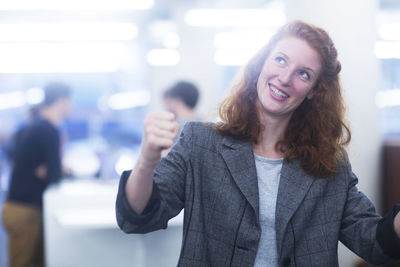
x: 279, y: 93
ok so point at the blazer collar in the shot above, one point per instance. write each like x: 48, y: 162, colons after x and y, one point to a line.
x: 293, y: 186
x: 239, y: 158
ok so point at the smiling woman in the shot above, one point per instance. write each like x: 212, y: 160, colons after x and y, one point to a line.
x: 287, y: 78
x: 269, y: 185
x: 299, y: 64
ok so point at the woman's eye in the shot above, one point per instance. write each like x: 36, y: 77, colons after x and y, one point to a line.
x: 280, y: 60
x: 304, y: 75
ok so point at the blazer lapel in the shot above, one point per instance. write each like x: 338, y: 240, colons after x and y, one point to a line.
x: 239, y: 158
x: 293, y: 186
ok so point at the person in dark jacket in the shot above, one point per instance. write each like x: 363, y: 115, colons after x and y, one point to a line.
x: 37, y: 163
x: 269, y: 185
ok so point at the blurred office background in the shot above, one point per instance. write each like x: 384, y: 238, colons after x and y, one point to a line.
x: 119, y: 56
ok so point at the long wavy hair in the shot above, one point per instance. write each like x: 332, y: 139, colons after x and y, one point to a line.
x: 317, y: 131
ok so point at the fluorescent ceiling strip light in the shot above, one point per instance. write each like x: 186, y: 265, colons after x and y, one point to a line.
x: 389, y: 31
x: 163, y: 57
x: 241, y: 39
x: 60, y: 57
x: 68, y: 32
x: 13, y: 99
x: 92, y: 5
x: 127, y: 100
x: 18, y: 99
x: 34, y: 95
x: 389, y: 98
x: 235, y: 17
x: 386, y: 50
x: 233, y: 57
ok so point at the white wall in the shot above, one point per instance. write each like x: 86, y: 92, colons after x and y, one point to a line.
x: 351, y: 25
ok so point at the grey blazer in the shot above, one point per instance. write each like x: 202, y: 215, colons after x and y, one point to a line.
x: 214, y: 179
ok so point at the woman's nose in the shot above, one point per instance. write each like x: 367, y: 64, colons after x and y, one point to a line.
x: 285, y: 77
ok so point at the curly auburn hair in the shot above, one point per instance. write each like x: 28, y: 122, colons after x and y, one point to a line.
x: 317, y: 131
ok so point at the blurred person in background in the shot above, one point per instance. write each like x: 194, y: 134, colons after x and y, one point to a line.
x: 269, y: 185
x: 181, y: 100
x: 37, y: 163
x: 33, y: 115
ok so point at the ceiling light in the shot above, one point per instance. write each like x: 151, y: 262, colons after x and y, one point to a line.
x: 34, y: 95
x: 235, y: 17
x: 68, y: 32
x: 163, y: 57
x: 233, y: 57
x: 389, y: 98
x: 389, y: 31
x: 95, y: 5
x: 13, y: 99
x: 385, y: 50
x: 242, y: 39
x: 60, y: 57
x: 131, y: 99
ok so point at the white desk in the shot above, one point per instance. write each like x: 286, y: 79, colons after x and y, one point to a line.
x: 81, y: 230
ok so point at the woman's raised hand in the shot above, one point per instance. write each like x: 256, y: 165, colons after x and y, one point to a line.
x: 160, y: 130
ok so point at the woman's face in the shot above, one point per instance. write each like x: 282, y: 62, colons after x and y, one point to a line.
x: 287, y: 77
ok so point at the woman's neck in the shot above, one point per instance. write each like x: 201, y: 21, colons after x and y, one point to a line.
x: 273, y: 131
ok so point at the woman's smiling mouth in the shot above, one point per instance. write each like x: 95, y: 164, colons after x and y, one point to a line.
x: 278, y: 92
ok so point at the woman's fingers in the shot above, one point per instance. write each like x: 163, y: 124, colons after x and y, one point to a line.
x: 160, y: 130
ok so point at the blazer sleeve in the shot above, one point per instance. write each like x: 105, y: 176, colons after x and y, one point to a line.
x: 362, y: 228
x: 168, y: 196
